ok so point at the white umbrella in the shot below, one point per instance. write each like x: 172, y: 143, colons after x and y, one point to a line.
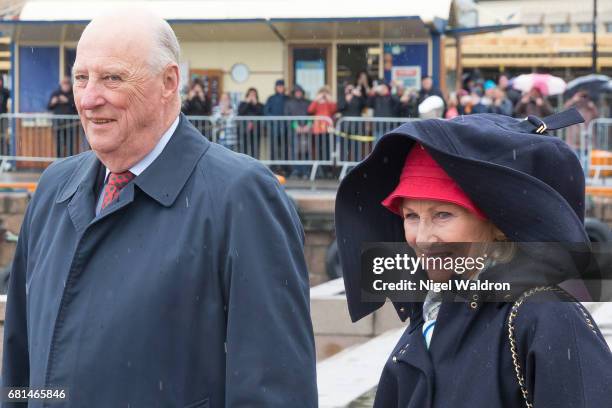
x: 546, y: 83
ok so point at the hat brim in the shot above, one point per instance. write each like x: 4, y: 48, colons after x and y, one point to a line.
x: 420, y: 188
x: 498, y: 191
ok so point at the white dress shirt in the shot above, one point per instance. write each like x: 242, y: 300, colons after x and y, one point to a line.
x: 145, y: 162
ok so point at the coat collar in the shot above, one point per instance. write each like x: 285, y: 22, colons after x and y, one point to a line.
x: 163, y: 179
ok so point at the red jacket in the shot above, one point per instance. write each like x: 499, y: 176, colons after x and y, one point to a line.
x: 321, y: 109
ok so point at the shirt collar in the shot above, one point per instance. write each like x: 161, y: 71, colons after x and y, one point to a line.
x: 153, y: 154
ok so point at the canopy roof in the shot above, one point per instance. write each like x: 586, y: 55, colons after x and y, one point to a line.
x: 240, y: 10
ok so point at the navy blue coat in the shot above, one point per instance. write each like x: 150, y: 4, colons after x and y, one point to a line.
x: 275, y: 105
x: 191, y: 290
x: 531, y: 187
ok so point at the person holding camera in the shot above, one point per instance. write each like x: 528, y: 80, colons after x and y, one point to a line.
x: 353, y: 102
x: 197, y: 103
x: 533, y: 103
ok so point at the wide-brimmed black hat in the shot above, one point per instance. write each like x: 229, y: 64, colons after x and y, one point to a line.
x: 528, y: 183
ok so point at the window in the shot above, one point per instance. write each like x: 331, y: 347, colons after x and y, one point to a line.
x: 608, y: 25
x: 534, y: 29
x: 561, y: 28
x: 585, y: 27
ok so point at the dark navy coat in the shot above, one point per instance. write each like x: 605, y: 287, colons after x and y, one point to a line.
x: 190, y: 291
x: 531, y: 186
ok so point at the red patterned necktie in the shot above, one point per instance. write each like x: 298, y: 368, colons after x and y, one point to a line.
x: 116, y: 181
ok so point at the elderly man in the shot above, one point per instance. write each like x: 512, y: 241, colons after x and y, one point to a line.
x: 158, y: 269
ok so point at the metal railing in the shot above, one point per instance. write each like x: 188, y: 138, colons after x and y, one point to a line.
x: 32, y: 140
x: 599, y: 150
x: 297, y: 144
x: 356, y: 136
x: 575, y: 137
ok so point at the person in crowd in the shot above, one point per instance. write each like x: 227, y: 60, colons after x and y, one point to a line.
x: 382, y: 102
x: 196, y: 103
x: 397, y: 89
x: 533, y: 103
x: 479, y: 103
x: 297, y: 105
x: 582, y: 101
x: 224, y: 120
x: 322, y: 105
x: 364, y: 83
x: 353, y: 102
x: 500, y: 103
x: 488, y: 87
x: 5, y: 95
x: 250, y: 132
x: 427, y: 89
x: 408, y: 106
x: 275, y: 105
x: 451, y: 189
x: 452, y: 110
x: 251, y: 105
x: 61, y: 101
x: 512, y: 94
x: 383, y: 105
x: 157, y: 268
x: 66, y: 130
x: 465, y: 102
x: 277, y: 131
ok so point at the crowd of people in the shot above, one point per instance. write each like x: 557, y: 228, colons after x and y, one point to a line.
x: 382, y: 99
x: 364, y: 96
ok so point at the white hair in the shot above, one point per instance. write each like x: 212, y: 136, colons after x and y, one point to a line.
x: 166, y: 48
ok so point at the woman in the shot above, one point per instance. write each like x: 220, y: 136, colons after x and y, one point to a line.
x: 480, y: 178
x: 197, y: 103
x: 533, y: 103
x: 250, y: 131
x: 251, y: 105
x: 322, y: 105
x: 299, y: 131
x: 224, y: 119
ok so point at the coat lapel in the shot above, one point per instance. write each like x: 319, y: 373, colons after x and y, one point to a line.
x: 162, y: 180
x: 80, y: 190
x: 414, y: 352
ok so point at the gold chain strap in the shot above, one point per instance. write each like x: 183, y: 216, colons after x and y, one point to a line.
x: 511, y: 337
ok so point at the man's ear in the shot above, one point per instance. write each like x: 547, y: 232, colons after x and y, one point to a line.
x: 170, y: 80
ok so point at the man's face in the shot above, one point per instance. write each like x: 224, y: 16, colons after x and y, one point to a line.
x: 117, y: 95
x: 280, y: 89
x: 426, y: 84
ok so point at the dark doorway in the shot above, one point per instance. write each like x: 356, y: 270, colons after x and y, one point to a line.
x: 355, y: 58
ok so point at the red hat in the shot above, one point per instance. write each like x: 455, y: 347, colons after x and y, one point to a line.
x: 422, y: 178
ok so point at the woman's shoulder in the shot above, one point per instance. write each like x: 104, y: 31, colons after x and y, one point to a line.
x: 547, y: 304
x: 552, y: 313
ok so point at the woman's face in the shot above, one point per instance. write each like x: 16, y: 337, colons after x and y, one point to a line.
x: 440, y: 229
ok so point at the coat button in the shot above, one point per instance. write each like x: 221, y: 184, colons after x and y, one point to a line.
x: 402, y: 309
x: 394, y: 359
x: 475, y: 297
x: 473, y: 305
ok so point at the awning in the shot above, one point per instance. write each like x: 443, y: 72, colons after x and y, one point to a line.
x: 242, y: 20
x: 240, y: 10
